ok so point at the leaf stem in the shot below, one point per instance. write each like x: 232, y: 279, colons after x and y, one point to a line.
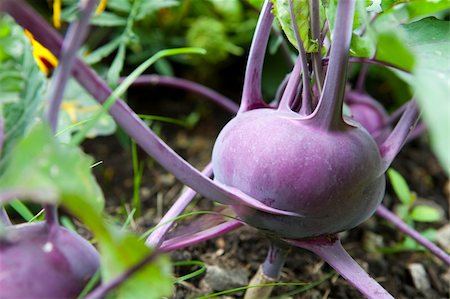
x: 74, y: 37
x: 395, y: 141
x: 192, y: 239
x: 383, y: 212
x: 157, y: 236
x: 305, y: 108
x: 251, y: 93
x: 328, y: 113
x: 315, y: 33
x: 188, y: 85
x: 72, y: 42
x: 331, y: 250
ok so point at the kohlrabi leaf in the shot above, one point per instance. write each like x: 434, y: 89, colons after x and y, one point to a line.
x: 302, y: 18
x: 107, y: 19
x: 428, y: 40
x: 406, y: 11
x: 126, y: 251
x: 40, y: 162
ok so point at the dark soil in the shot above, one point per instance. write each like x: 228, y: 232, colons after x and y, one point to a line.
x: 246, y: 248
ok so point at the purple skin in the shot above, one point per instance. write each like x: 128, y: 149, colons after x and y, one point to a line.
x: 37, y: 263
x: 366, y: 110
x: 305, y: 175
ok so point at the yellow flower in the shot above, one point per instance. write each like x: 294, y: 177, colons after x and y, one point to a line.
x: 45, y: 59
x: 57, y: 11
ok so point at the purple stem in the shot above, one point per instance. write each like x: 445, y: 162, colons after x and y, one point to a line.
x: 328, y: 113
x: 331, y: 250
x: 362, y: 78
x: 305, y: 108
x: 72, y: 42
x: 130, y: 122
x: 383, y: 212
x: 315, y: 33
x: 197, y: 88
x: 36, y: 195
x: 157, y: 236
x: 274, y: 262
x: 102, y: 290
x: 251, y: 93
x: 326, y: 61
x: 4, y: 218
x: 394, y: 142
x: 192, y: 239
x: 291, y: 89
x: 2, y: 132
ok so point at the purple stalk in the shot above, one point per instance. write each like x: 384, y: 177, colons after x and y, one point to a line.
x: 290, y: 92
x: 330, y: 249
x: 130, y: 122
x: 274, y: 262
x: 184, y: 84
x: 102, y: 290
x: 72, y: 42
x: 36, y: 195
x: 157, y: 236
x: 328, y: 113
x: 326, y: 61
x: 192, y: 239
x: 383, y: 212
x: 315, y: 33
x: 251, y: 93
x: 394, y: 142
x: 4, y: 218
x: 2, y: 132
x: 305, y: 108
x: 362, y: 78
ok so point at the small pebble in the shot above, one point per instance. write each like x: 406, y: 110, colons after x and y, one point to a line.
x: 419, y: 276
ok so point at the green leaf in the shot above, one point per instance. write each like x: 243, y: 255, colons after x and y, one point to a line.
x: 22, y: 85
x: 103, y: 51
x: 428, y: 40
x: 406, y: 11
x: 302, y: 18
x: 39, y: 162
x: 126, y: 251
x: 400, y: 187
x: 108, y: 19
x: 424, y: 213
x: 391, y: 48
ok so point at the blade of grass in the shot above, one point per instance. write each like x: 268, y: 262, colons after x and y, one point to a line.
x: 21, y: 209
x: 192, y: 274
x: 138, y: 170
x: 122, y: 88
x: 251, y: 287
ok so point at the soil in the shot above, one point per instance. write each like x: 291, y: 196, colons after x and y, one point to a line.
x: 245, y: 248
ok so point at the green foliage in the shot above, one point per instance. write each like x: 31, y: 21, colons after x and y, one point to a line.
x: 428, y: 40
x: 63, y: 172
x: 302, y: 18
x: 22, y: 87
x: 410, y: 212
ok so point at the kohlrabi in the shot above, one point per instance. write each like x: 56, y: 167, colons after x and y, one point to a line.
x: 38, y: 261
